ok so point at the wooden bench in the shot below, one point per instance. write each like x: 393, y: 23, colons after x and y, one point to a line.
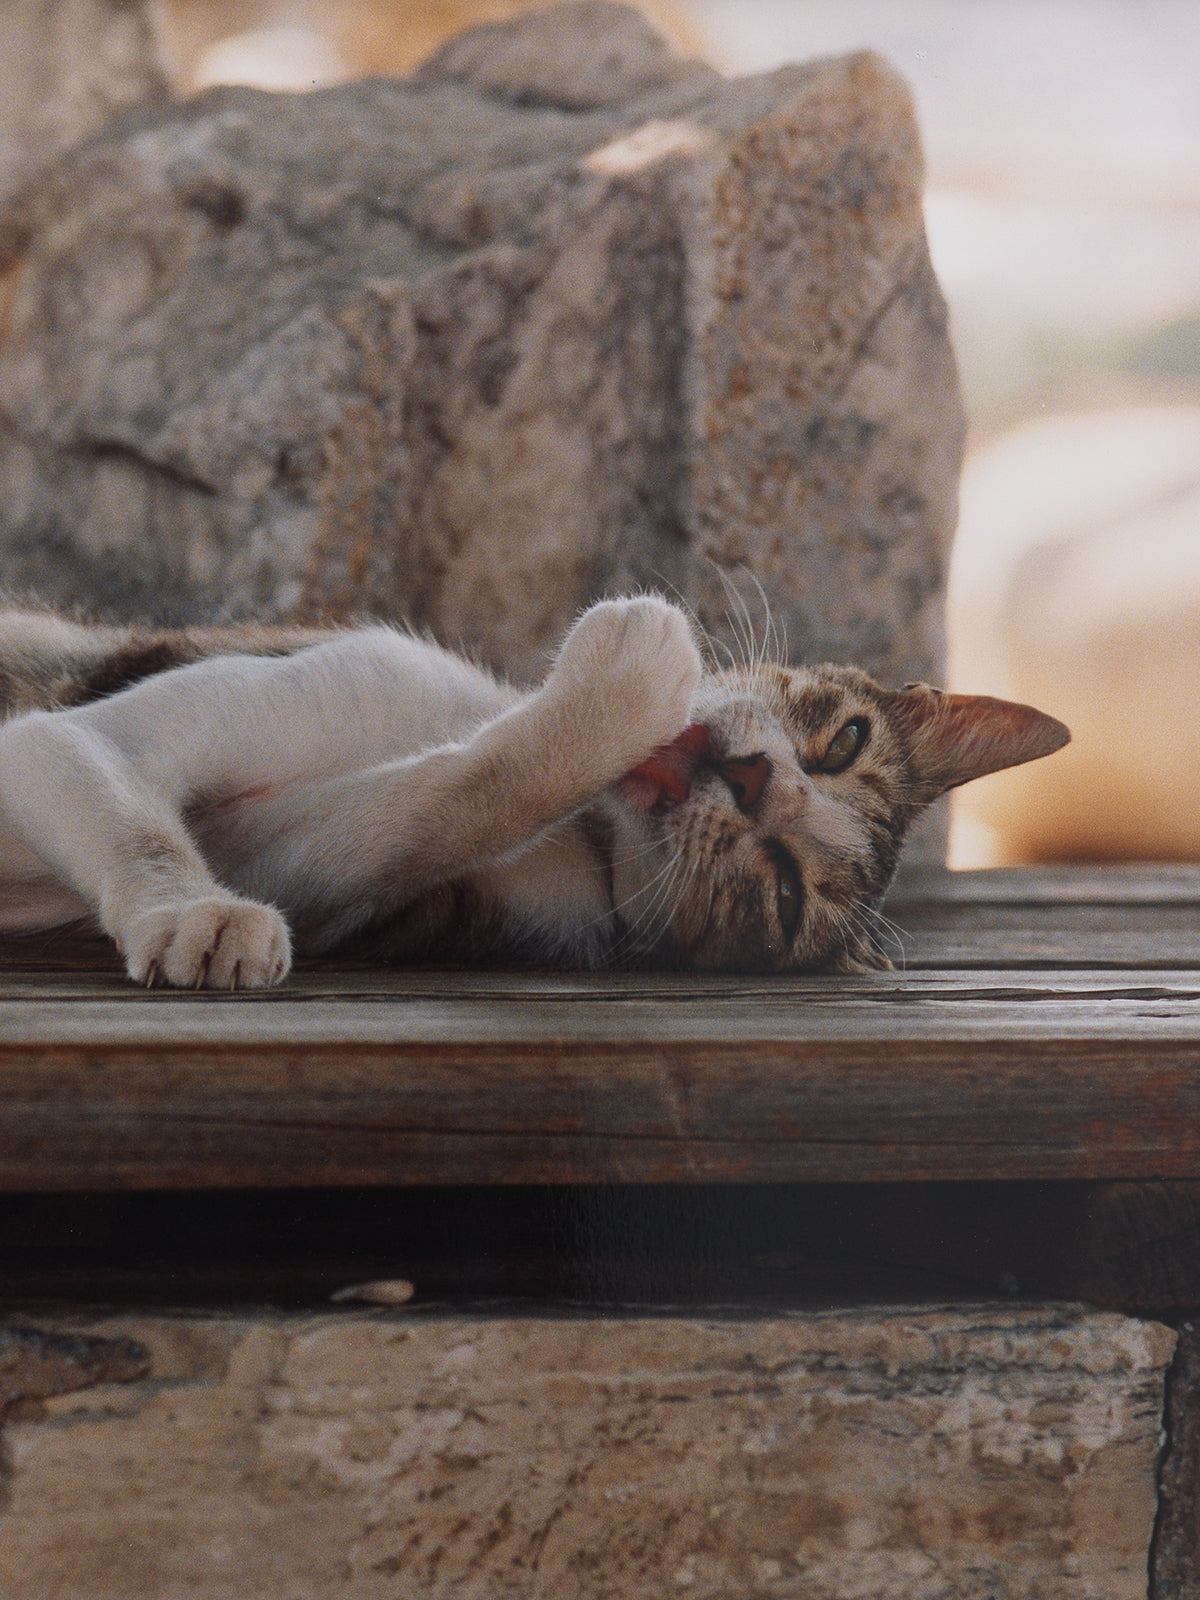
x: 1013, y: 1115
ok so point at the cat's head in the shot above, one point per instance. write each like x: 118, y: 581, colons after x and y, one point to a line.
x: 764, y: 837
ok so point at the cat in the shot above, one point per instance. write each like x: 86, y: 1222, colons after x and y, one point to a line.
x: 216, y: 798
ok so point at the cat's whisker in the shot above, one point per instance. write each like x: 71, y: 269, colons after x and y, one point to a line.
x: 732, y: 662
x: 841, y: 924
x: 565, y: 831
x: 738, y: 617
x: 889, y: 933
x: 768, y: 648
x: 620, y: 906
x: 655, y: 886
x: 841, y: 920
x: 664, y: 889
x: 774, y: 635
x: 677, y: 884
x: 879, y: 931
x: 709, y: 644
x: 606, y: 916
x: 654, y: 894
x: 650, y: 847
x: 761, y: 646
x: 691, y: 868
x: 756, y: 652
x: 694, y: 870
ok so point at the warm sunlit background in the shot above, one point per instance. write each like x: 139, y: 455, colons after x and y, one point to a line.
x: 1063, y: 140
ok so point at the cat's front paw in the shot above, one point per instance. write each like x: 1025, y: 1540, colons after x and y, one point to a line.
x: 217, y: 942
x: 629, y: 668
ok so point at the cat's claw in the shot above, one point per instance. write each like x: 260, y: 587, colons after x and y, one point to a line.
x: 218, y: 942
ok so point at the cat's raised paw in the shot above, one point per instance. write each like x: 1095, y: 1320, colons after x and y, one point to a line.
x: 218, y: 942
x: 634, y: 665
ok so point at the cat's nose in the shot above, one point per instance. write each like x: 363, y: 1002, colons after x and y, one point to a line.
x: 746, y: 778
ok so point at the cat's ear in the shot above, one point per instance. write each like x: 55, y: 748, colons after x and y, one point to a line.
x: 956, y: 737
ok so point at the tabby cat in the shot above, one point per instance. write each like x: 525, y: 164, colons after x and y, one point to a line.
x: 216, y: 798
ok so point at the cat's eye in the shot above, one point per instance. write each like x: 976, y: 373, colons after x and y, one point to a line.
x: 845, y: 746
x: 789, y: 891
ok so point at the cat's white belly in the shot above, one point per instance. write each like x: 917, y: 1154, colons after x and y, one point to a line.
x: 31, y: 897
x: 34, y: 907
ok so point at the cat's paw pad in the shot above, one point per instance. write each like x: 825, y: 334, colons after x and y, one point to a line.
x: 218, y: 942
x: 634, y: 662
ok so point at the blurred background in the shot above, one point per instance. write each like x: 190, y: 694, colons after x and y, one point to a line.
x: 1063, y: 210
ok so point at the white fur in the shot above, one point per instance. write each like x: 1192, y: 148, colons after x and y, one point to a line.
x: 202, y: 810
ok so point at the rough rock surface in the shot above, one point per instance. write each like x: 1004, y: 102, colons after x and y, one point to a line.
x: 35, y: 1365
x: 70, y: 68
x: 1000, y: 1451
x: 558, y: 314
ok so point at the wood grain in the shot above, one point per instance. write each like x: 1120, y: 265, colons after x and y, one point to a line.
x: 778, y: 1105
x: 1106, y: 883
x: 1023, y: 1043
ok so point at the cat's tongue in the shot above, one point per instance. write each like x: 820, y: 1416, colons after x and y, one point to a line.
x: 666, y: 774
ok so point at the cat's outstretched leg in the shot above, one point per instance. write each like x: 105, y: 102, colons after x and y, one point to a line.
x: 79, y: 804
x: 622, y: 685
x: 98, y: 793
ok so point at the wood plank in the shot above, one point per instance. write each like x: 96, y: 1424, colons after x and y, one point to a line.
x: 1084, y: 935
x: 1117, y: 918
x: 1036, y: 1033
x: 1006, y: 929
x: 1107, y: 883
x: 417, y: 1101
x: 348, y: 984
x: 550, y: 1014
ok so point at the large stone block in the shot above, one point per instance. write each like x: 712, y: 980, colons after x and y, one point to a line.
x: 558, y: 314
x: 71, y: 67
x: 938, y: 1455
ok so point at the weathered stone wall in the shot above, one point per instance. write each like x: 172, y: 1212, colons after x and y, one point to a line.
x: 70, y: 68
x: 559, y: 314
x: 947, y: 1455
